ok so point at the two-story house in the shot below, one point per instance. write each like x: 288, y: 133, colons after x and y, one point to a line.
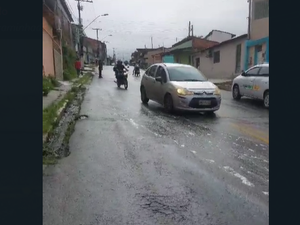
x: 257, y: 45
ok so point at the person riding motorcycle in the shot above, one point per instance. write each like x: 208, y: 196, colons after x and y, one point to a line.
x: 136, y: 69
x: 119, y: 68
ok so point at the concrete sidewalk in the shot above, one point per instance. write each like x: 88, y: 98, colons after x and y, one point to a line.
x: 60, y: 92
x: 56, y: 95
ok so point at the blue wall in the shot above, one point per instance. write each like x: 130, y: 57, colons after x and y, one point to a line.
x: 168, y: 59
x: 253, y: 43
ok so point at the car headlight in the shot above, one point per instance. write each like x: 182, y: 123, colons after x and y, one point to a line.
x: 217, y: 91
x: 183, y: 91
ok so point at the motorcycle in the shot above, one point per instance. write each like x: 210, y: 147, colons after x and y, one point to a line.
x: 122, y: 79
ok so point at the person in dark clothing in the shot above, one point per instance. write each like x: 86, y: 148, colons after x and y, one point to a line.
x: 119, y: 68
x: 136, y: 69
x: 100, y: 68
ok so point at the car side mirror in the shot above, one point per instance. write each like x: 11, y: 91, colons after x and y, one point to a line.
x: 158, y: 79
x: 243, y: 73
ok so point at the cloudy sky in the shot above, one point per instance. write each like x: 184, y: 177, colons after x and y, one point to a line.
x: 132, y: 23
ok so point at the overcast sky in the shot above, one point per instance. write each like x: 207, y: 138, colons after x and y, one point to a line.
x: 132, y: 23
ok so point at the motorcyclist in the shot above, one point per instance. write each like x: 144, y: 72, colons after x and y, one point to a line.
x: 136, y: 68
x: 119, y: 68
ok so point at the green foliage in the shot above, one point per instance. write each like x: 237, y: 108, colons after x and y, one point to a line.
x: 47, y: 86
x: 54, y: 82
x: 69, y: 58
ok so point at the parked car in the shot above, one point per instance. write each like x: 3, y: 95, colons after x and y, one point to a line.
x: 179, y: 87
x: 253, y: 83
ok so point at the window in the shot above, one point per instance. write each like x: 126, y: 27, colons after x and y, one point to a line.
x: 253, y: 71
x: 161, y: 73
x: 152, y: 71
x: 148, y: 71
x: 185, y: 73
x: 261, y: 9
x: 217, y: 57
x: 264, y: 72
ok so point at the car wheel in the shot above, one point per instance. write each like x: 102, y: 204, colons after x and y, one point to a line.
x: 236, y: 92
x: 266, y: 99
x: 210, y: 113
x: 168, y: 103
x: 144, y: 98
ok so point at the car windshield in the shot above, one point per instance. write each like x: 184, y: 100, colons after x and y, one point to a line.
x: 184, y: 73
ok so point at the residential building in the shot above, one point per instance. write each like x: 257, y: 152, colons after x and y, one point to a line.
x: 164, y: 56
x: 56, y: 30
x: 219, y: 36
x: 257, y: 45
x: 182, y: 51
x: 222, y: 61
x: 90, y: 49
x: 153, y: 56
x: 140, y: 57
x: 64, y: 20
x: 48, y: 42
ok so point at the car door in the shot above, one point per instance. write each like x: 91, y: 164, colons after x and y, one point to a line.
x: 150, y: 80
x: 145, y: 78
x: 261, y: 83
x: 158, y: 87
x: 248, y: 81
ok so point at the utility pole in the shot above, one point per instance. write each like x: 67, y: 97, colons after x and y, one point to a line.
x: 80, y: 8
x: 152, y: 42
x: 249, y: 18
x: 189, y: 34
x: 98, y: 43
x: 192, y: 30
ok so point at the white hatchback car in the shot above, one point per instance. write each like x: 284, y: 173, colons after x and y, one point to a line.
x: 253, y: 83
x: 179, y: 87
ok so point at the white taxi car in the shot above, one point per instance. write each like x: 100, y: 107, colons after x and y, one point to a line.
x: 253, y: 83
x: 179, y: 87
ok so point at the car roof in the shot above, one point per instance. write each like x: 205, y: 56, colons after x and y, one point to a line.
x: 171, y: 65
x: 263, y: 65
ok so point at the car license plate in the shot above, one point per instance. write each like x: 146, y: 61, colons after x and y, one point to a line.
x: 204, y: 102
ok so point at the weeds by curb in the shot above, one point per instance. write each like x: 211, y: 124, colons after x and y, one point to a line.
x: 53, y: 114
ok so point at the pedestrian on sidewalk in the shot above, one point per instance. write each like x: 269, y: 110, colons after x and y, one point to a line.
x: 78, y: 66
x: 100, y: 68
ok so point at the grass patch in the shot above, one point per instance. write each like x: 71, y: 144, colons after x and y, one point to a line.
x: 50, y: 113
x: 48, y: 157
x: 84, y: 79
x: 49, y: 83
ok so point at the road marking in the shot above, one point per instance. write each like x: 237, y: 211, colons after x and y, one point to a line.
x: 134, y: 123
x: 262, y: 136
x: 234, y: 173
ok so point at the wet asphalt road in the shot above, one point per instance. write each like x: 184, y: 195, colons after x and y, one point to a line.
x: 134, y: 164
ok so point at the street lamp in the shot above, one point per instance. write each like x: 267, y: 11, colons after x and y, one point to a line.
x: 106, y: 14
x: 106, y: 37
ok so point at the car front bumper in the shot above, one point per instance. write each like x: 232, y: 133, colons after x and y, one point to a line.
x: 191, y: 103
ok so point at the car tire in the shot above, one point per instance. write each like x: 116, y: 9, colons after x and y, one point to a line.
x: 266, y: 99
x: 144, y: 97
x: 168, y: 103
x: 236, y: 92
x: 210, y: 113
